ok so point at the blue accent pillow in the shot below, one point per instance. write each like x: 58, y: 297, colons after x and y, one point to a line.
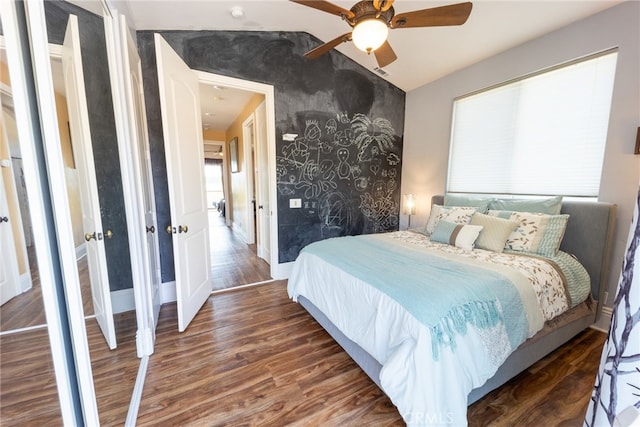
x: 458, y: 235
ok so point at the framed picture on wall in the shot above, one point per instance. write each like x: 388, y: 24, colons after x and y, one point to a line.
x: 233, y: 155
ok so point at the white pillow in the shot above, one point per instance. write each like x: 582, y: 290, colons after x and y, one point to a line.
x: 536, y: 232
x: 455, y: 214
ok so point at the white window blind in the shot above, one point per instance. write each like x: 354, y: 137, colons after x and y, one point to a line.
x: 540, y: 135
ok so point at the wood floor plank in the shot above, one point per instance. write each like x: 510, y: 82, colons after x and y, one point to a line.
x: 233, y: 262
x: 554, y: 391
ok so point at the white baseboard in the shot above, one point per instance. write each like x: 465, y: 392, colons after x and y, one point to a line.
x: 168, y: 289
x: 239, y: 232
x: 168, y: 292
x: 25, y: 282
x: 604, y: 321
x: 81, y: 251
x: 282, y: 271
x: 122, y: 301
x: 136, y: 396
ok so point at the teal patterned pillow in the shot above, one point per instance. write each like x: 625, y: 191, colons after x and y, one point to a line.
x: 536, y: 232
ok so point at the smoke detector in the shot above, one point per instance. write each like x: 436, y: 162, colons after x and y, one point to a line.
x: 237, y: 12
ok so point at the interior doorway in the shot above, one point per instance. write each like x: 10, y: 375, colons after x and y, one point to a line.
x: 230, y: 175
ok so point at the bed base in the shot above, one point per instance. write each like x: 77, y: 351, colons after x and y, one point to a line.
x: 526, y: 355
x: 588, y: 237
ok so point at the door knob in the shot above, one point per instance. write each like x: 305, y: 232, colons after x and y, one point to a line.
x: 108, y: 234
x: 151, y: 229
x: 89, y: 236
x: 260, y: 207
x: 3, y: 219
x: 180, y: 229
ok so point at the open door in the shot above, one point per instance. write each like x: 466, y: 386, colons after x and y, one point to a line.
x: 135, y: 93
x: 262, y: 191
x: 182, y: 128
x: 83, y: 155
x: 9, y: 276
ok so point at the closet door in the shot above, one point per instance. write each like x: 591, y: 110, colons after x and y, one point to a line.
x: 142, y: 163
x: 262, y: 181
x: 83, y: 155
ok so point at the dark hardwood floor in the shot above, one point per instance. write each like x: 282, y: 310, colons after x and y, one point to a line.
x: 253, y: 357
x: 233, y: 262
x: 28, y: 393
x: 553, y: 392
x: 27, y: 310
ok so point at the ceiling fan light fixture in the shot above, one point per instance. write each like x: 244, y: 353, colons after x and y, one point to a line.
x: 369, y: 34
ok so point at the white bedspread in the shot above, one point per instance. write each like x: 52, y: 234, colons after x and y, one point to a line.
x: 426, y: 390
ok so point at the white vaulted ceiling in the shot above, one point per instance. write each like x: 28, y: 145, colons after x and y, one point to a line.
x: 424, y: 54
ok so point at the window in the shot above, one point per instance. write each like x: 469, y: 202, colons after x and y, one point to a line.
x: 543, y: 134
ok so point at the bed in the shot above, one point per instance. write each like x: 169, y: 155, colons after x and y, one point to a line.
x: 433, y: 352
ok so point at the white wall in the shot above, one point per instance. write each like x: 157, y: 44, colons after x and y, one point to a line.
x: 428, y: 112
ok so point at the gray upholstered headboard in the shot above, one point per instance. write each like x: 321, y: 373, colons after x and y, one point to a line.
x: 589, y: 237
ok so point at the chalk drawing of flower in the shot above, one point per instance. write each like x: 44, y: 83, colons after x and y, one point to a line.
x: 371, y: 133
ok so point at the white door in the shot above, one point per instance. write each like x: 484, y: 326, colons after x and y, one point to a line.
x: 135, y: 92
x: 262, y: 182
x: 83, y: 155
x: 182, y: 128
x: 248, y: 144
x: 9, y: 275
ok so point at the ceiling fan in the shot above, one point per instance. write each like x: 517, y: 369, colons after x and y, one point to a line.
x: 372, y: 19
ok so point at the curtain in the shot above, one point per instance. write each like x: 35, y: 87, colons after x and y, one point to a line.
x: 616, y: 395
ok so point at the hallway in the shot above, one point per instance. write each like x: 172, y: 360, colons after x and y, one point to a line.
x: 233, y: 262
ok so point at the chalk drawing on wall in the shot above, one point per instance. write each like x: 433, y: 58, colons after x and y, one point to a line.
x: 346, y: 168
x: 335, y: 215
x: 379, y: 205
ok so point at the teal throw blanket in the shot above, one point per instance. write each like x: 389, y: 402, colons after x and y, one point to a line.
x: 442, y: 294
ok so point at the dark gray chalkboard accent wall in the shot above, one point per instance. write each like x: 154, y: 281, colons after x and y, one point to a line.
x: 345, y: 162
x: 103, y: 132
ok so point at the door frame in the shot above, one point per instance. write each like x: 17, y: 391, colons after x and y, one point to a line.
x: 277, y: 271
x: 225, y: 172
x: 131, y: 183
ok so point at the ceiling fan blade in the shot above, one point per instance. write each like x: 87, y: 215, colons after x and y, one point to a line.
x: 325, y: 6
x: 385, y: 55
x: 455, y: 14
x: 324, y: 48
